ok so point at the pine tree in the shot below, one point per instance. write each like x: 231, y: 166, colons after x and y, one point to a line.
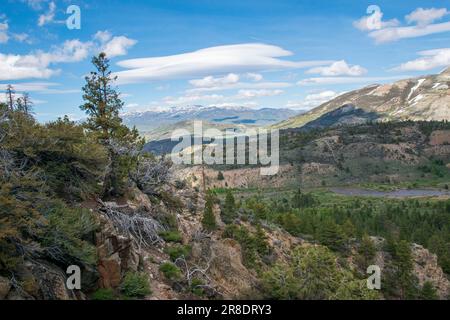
x: 209, y: 220
x: 366, y: 252
x: 400, y: 280
x: 331, y: 236
x: 349, y: 229
x: 102, y: 105
x: 102, y: 101
x: 228, y: 211
x: 428, y: 292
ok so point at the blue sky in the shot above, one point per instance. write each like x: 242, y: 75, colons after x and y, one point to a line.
x: 176, y: 53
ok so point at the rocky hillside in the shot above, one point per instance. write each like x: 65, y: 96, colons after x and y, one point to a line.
x: 422, y: 98
x: 195, y: 265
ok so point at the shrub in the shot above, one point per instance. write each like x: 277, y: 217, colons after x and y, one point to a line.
x: 220, y: 176
x: 176, y: 251
x: 196, y: 287
x: 171, y: 201
x: 135, y: 285
x: 103, y: 294
x: 171, y: 236
x: 67, y: 229
x: 170, y: 271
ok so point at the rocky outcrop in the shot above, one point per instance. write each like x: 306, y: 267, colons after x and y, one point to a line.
x: 37, y: 280
x: 116, y: 255
x: 426, y: 268
x: 223, y: 260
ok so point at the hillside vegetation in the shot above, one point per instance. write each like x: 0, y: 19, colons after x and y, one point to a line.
x: 86, y: 194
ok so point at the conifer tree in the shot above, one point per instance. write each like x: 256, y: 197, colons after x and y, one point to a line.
x: 228, y: 211
x: 102, y: 105
x: 366, y: 253
x: 209, y: 220
x: 428, y: 292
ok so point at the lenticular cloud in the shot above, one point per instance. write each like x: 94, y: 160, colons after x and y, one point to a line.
x: 213, y: 60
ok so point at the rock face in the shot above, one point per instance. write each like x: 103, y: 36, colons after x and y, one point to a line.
x: 426, y: 269
x: 116, y: 255
x: 224, y: 259
x: 39, y: 280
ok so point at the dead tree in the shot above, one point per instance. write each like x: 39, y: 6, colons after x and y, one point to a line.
x: 151, y: 173
x: 195, y: 272
x: 24, y: 103
x: 144, y: 230
x: 10, y: 96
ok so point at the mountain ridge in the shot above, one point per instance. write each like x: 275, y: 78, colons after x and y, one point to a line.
x: 421, y: 98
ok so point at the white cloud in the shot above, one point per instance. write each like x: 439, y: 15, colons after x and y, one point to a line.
x: 35, y: 4
x: 118, y: 46
x: 243, y: 85
x: 38, y: 64
x: 210, y: 81
x: 345, y: 80
x: 251, y: 94
x: 423, y: 17
x: 103, y: 36
x: 429, y: 59
x: 313, y: 100
x: 390, y: 31
x: 254, y: 76
x: 21, y: 37
x: 238, y: 58
x: 49, y: 16
x: 113, y: 46
x: 394, y: 34
x: 191, y: 99
x: 374, y: 21
x: 338, y: 68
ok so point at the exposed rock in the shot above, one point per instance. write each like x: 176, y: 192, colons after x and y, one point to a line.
x: 116, y: 255
x: 225, y: 266
x: 426, y: 268
x: 5, y: 286
x: 440, y: 137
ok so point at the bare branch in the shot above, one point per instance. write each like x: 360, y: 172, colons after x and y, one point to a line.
x: 144, y: 229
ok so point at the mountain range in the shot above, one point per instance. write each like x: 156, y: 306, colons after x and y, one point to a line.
x: 156, y: 121
x: 422, y: 98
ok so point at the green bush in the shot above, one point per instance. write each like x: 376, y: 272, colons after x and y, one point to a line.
x: 67, y: 229
x: 196, y: 287
x: 171, y: 236
x: 135, y: 285
x: 170, y: 271
x: 176, y: 251
x: 103, y: 294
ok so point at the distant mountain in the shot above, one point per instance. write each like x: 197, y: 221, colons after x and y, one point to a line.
x: 422, y: 98
x: 222, y: 116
